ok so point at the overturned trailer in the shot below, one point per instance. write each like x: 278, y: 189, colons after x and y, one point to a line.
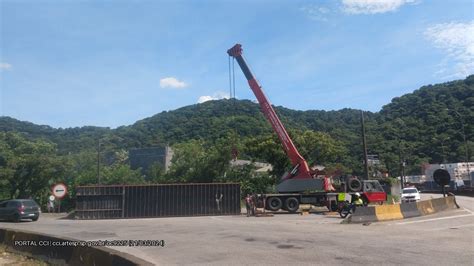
x: 160, y: 200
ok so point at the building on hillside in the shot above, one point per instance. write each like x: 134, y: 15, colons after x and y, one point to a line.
x: 414, y: 179
x: 259, y: 167
x: 144, y: 158
x: 461, y: 173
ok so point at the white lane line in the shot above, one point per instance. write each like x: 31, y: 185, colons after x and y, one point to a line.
x: 469, y: 211
x: 435, y: 219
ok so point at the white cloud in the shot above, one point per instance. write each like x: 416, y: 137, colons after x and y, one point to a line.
x: 373, y: 6
x: 205, y: 99
x: 172, y: 82
x: 315, y: 12
x: 457, y: 40
x: 216, y: 96
x: 5, y: 66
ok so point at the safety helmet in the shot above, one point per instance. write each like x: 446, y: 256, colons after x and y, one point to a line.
x: 357, y: 194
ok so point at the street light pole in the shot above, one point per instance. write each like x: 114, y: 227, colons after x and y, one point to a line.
x: 465, y: 144
x: 443, y: 149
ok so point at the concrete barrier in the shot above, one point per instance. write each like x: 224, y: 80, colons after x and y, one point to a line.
x: 451, y: 201
x: 388, y: 212
x: 425, y: 207
x: 409, y: 209
x: 362, y: 215
x: 401, y: 211
x: 40, y: 246
x: 439, y: 204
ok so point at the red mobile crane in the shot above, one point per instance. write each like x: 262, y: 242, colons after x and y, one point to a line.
x: 301, y: 178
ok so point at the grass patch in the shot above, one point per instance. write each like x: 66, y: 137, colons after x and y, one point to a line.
x: 8, y: 258
x: 391, y: 199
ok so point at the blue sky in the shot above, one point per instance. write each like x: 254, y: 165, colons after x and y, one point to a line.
x: 111, y: 63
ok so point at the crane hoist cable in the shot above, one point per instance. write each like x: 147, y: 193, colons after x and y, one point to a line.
x: 230, y: 78
x: 233, y: 80
x: 234, y: 151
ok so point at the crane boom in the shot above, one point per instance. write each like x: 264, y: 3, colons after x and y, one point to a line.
x: 301, y: 170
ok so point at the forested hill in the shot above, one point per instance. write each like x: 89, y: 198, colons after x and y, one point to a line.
x: 213, y: 119
x: 424, y: 126
x: 207, y: 121
x: 427, y: 125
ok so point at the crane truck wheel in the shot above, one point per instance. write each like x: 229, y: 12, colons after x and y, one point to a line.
x: 274, y: 203
x: 355, y: 185
x: 292, y: 204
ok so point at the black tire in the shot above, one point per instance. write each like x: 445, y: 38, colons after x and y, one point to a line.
x: 35, y: 219
x: 344, y: 212
x: 292, y: 204
x: 355, y: 184
x: 274, y: 203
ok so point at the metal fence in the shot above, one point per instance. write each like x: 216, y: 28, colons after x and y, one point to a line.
x: 163, y: 200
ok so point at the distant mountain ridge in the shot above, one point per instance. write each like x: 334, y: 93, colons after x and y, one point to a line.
x: 420, y: 120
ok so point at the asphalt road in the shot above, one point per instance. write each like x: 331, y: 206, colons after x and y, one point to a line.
x: 443, y: 238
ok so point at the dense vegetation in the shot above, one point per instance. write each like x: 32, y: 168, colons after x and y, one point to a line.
x: 420, y: 127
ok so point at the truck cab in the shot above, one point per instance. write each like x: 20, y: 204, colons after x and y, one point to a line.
x: 372, y: 191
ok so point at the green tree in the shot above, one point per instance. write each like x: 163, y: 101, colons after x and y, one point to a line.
x: 156, y: 174
x: 267, y: 148
x: 196, y: 161
x: 187, y: 161
x: 319, y: 147
x: 28, y: 168
x: 121, y: 174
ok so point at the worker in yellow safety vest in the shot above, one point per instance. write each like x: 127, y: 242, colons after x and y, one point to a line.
x: 357, y: 200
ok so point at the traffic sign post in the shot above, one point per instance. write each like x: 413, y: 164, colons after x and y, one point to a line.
x: 50, y: 206
x: 59, y: 191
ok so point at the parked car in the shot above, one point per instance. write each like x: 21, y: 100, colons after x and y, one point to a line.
x: 410, y: 194
x: 18, y: 209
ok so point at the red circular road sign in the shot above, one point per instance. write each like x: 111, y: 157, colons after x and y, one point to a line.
x: 59, y: 190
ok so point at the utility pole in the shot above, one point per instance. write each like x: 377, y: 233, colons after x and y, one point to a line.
x: 402, y: 164
x: 444, y: 151
x: 364, y: 143
x: 401, y: 154
x: 403, y: 174
x: 98, y: 161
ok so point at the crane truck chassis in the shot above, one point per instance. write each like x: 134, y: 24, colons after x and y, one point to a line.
x: 371, y: 192
x: 292, y: 190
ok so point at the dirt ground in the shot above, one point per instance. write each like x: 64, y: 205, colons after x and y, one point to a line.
x: 7, y: 258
